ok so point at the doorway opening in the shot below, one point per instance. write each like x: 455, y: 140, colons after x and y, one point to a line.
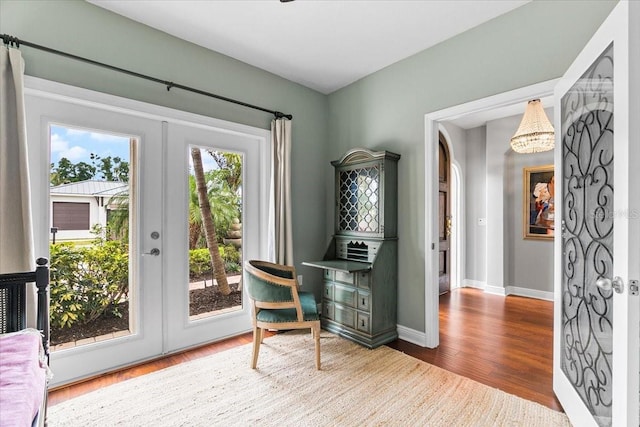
x: 502, y: 105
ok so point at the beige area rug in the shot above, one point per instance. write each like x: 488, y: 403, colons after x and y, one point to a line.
x: 356, y: 387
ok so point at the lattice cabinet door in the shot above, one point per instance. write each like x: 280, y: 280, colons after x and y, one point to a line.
x: 366, y: 196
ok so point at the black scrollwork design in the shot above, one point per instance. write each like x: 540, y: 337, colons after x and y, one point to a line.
x: 587, y: 187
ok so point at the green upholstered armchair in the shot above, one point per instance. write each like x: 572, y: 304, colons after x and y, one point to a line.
x: 277, y: 304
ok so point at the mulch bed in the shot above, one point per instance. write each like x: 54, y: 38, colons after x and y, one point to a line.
x: 200, y: 301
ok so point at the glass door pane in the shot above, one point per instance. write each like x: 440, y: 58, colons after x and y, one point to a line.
x: 90, y: 207
x: 215, y: 232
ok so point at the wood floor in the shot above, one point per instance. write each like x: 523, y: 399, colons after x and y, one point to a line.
x: 505, y: 343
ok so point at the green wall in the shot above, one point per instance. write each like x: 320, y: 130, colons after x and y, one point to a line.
x: 386, y: 110
x: 86, y: 30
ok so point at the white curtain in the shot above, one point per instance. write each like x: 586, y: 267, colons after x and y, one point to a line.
x: 280, y: 221
x: 16, y: 236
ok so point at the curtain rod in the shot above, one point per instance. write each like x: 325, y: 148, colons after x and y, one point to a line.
x: 14, y: 41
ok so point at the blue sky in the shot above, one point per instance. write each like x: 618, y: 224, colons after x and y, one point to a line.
x: 77, y: 144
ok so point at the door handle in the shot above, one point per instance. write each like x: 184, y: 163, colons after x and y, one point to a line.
x: 607, y: 284
x: 154, y: 252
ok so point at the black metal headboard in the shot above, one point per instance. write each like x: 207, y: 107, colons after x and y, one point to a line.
x: 13, y: 296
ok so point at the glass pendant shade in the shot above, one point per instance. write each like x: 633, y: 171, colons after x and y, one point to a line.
x: 535, y: 133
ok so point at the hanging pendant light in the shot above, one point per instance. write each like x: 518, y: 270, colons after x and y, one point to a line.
x: 535, y: 133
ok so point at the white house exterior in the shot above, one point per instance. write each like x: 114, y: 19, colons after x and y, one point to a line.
x: 76, y: 207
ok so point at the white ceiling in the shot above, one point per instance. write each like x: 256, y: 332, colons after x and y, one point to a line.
x: 324, y: 45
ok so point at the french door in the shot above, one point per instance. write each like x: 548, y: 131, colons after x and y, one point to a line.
x: 156, y: 198
x: 51, y: 123
x: 182, y: 327
x: 597, y: 158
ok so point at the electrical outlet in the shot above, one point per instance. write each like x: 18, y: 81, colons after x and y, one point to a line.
x: 300, y: 280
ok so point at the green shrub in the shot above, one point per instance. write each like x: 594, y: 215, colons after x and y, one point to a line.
x: 199, y: 262
x: 87, y: 280
x: 229, y: 253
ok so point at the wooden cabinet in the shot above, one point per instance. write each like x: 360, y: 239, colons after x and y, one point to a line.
x: 361, y: 264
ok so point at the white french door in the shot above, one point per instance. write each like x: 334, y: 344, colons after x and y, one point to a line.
x: 143, y: 339
x: 597, y: 158
x: 182, y: 328
x: 159, y: 141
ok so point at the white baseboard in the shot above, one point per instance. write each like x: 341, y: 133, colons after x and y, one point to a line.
x: 468, y: 283
x: 412, y: 336
x: 529, y: 293
x: 509, y: 290
x: 495, y: 290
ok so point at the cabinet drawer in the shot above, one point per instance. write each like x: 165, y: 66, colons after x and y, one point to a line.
x: 341, y: 252
x: 328, y: 274
x: 328, y: 310
x: 343, y: 277
x: 363, y: 300
x: 344, y: 295
x: 364, y: 279
x: 328, y: 290
x: 363, y: 322
x: 344, y: 315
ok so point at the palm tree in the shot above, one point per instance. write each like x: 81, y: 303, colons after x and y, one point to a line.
x: 225, y: 206
x: 208, y: 224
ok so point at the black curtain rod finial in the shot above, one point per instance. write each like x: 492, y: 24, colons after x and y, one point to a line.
x: 10, y: 40
x: 280, y: 115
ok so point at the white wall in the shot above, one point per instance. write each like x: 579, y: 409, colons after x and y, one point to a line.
x: 476, y: 206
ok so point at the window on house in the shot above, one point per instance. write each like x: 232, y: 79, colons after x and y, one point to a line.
x: 71, y: 216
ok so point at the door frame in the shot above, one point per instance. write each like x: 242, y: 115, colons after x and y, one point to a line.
x: 432, y: 126
x: 84, y: 97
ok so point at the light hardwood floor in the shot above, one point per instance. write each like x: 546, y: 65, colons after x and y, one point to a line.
x: 505, y: 343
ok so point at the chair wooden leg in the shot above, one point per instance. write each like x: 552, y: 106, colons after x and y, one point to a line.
x: 257, y: 339
x: 315, y: 332
x: 261, y: 335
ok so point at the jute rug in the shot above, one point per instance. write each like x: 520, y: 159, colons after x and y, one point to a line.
x: 356, y: 387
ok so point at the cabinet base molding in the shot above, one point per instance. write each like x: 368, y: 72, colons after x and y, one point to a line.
x: 371, y: 341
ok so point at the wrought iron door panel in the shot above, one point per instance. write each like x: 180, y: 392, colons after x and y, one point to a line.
x: 587, y: 236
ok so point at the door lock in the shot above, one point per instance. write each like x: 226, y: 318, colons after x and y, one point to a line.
x: 606, y: 284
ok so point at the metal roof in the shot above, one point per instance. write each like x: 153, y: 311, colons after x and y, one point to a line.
x: 92, y: 188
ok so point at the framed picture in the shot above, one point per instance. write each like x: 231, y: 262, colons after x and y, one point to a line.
x: 538, y: 197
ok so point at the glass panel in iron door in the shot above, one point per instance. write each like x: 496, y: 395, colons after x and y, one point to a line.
x: 587, y: 236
